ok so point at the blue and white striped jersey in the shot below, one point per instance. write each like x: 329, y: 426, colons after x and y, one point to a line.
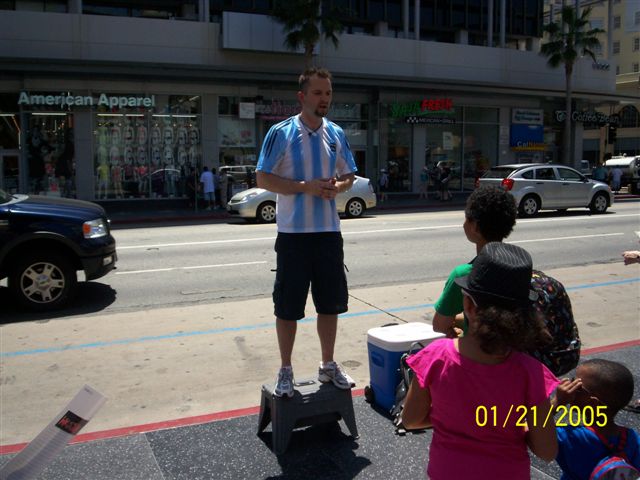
x: 290, y: 150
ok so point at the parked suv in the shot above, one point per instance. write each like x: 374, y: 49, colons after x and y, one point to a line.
x: 545, y: 186
x: 44, y: 241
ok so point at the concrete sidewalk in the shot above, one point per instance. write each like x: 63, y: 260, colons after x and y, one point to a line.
x: 170, y: 363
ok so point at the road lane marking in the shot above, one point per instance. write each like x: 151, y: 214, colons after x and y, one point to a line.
x: 568, y: 238
x: 195, y: 267
x: 368, y: 232
x: 184, y: 244
x: 218, y: 331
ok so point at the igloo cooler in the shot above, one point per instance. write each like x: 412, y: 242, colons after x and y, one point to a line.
x: 386, y: 345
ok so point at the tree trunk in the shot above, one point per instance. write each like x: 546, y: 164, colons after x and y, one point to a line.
x: 308, y: 56
x: 566, y: 154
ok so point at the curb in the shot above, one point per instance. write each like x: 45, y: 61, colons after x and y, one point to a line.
x: 193, y: 216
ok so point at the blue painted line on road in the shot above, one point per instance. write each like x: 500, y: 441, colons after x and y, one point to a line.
x: 217, y: 331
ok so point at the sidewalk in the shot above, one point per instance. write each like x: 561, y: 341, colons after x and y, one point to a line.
x: 156, y: 212
x: 230, y: 449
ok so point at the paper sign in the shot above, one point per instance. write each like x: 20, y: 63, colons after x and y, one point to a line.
x: 42, y: 450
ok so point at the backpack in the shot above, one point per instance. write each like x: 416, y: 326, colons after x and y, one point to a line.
x: 406, y: 376
x: 563, y: 353
x: 614, y: 466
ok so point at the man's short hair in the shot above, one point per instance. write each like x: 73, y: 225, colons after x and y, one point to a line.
x: 613, y: 383
x: 303, y: 80
x: 494, y: 211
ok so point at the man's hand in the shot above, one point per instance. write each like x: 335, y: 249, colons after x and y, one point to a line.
x: 322, y: 187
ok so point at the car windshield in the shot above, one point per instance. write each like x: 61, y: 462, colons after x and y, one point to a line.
x: 499, y: 172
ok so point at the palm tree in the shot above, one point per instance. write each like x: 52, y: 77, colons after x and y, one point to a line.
x: 301, y: 20
x: 568, y: 40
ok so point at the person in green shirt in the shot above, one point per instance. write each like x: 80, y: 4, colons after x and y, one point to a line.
x: 490, y: 216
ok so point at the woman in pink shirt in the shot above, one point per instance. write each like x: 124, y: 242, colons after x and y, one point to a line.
x: 487, y: 401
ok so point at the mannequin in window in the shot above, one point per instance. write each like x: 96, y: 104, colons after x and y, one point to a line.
x: 167, y: 132
x: 141, y: 131
x: 128, y: 132
x: 155, y: 135
x: 170, y: 171
x: 102, y: 175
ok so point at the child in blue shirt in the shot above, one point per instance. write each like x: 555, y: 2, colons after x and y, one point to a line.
x: 601, y: 387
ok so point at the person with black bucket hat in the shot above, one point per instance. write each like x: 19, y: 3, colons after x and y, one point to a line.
x: 487, y: 400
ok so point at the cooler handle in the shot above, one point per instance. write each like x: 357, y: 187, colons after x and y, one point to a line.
x: 377, y: 359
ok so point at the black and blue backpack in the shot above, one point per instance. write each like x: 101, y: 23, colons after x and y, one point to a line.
x: 614, y: 466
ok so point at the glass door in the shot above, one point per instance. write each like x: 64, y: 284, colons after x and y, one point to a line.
x: 9, y: 170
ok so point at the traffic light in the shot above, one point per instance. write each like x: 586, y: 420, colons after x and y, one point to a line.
x: 613, y: 131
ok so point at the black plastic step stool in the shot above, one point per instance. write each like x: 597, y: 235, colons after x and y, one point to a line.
x: 312, y: 403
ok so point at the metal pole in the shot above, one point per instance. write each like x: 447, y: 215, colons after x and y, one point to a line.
x: 416, y: 19
x: 405, y: 18
x: 610, y: 30
x: 490, y: 24
x: 503, y: 23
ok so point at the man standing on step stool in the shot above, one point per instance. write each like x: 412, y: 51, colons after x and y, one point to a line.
x: 307, y: 161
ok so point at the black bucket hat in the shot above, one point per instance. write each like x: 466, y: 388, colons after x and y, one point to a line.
x: 501, y: 275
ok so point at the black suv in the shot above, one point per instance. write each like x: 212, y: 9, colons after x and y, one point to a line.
x: 45, y: 240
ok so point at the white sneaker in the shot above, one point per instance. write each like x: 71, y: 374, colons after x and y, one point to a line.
x: 333, y: 372
x: 284, y: 383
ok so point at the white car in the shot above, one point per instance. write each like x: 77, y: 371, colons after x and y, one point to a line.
x: 260, y: 204
x: 545, y: 186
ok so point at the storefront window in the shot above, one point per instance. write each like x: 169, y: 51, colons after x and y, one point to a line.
x: 480, y: 143
x: 237, y: 131
x: 353, y: 118
x: 50, y: 154
x: 443, y: 148
x: 398, y: 162
x: 144, y: 154
x: 9, y: 144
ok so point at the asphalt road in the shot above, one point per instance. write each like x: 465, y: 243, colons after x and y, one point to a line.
x: 195, y: 264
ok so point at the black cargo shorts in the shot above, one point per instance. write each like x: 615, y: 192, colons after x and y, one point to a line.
x: 304, y: 259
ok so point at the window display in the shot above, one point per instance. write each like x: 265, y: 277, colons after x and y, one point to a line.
x: 147, y: 155
x: 237, y: 135
x: 51, y: 156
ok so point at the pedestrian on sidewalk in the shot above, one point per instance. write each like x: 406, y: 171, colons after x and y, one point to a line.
x: 424, y: 183
x: 490, y: 216
x: 223, y: 184
x: 383, y: 184
x: 306, y: 159
x: 208, y: 189
x: 616, y: 177
x: 456, y: 380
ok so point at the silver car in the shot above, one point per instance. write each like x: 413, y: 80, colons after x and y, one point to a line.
x: 260, y: 204
x: 545, y: 186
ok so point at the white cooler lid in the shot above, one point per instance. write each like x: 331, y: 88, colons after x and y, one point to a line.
x: 398, y: 338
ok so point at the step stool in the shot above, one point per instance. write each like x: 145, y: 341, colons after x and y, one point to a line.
x: 313, y: 402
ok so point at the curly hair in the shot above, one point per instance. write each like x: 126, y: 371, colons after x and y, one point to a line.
x: 494, y: 211
x: 612, y: 383
x: 499, y: 328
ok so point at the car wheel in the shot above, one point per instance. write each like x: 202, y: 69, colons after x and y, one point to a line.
x: 529, y: 206
x: 266, y: 212
x: 369, y: 394
x: 355, y: 208
x: 43, y: 281
x: 599, y: 204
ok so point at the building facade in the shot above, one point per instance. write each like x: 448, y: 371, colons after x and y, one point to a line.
x: 617, y: 128
x: 112, y: 100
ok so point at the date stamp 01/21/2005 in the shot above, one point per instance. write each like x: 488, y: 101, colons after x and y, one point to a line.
x: 566, y: 416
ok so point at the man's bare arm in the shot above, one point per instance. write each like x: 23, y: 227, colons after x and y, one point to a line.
x: 321, y: 187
